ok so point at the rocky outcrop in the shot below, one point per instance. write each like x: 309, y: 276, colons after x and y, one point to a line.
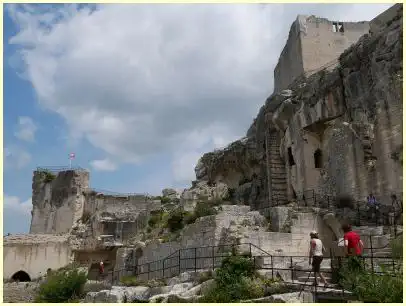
x: 335, y: 132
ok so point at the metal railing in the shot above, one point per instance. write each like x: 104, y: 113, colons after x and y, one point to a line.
x: 57, y: 169
x: 383, y: 214
x: 116, y: 194
x: 285, y: 267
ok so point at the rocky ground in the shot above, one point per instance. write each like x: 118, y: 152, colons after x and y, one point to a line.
x: 187, y: 287
x: 22, y: 292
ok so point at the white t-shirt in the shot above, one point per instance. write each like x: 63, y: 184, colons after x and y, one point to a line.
x: 317, y: 247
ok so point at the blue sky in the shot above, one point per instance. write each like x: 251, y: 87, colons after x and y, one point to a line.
x: 138, y: 92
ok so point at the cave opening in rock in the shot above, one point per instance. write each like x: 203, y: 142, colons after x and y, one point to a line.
x: 21, y: 276
x: 290, y: 157
x: 318, y: 159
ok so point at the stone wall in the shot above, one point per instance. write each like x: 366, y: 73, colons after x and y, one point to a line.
x: 34, y: 254
x: 57, y: 204
x: 312, y: 43
x: 340, y: 129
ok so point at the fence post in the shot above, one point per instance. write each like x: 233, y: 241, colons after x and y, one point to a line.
x: 212, y: 256
x: 163, y: 268
x: 372, y: 253
x: 314, y: 199
x: 195, y: 259
x: 272, y: 265
x: 179, y: 261
x: 358, y: 215
x: 250, y: 250
x: 291, y: 267
x: 149, y: 268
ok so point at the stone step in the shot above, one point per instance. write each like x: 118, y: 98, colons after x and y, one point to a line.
x: 310, y: 278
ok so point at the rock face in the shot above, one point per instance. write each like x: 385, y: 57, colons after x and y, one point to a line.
x: 336, y: 132
x: 57, y: 200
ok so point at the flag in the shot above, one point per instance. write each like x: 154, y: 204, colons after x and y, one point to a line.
x: 71, y: 155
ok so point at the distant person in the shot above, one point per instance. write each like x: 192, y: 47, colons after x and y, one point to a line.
x: 316, y: 256
x: 373, y: 205
x: 101, y: 269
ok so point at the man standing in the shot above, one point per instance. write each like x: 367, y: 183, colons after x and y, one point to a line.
x: 101, y: 269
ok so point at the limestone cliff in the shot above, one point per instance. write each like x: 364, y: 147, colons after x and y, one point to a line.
x: 336, y: 132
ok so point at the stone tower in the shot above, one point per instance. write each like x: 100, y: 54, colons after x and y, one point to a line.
x: 57, y: 200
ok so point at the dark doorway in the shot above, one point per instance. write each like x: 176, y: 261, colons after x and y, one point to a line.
x: 318, y: 159
x: 21, y: 276
x: 290, y: 157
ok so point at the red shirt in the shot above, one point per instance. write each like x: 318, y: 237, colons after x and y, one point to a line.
x: 353, y: 243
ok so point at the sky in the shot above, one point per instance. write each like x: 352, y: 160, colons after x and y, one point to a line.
x: 137, y: 92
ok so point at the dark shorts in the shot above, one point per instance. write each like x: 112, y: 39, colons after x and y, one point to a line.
x: 316, y: 263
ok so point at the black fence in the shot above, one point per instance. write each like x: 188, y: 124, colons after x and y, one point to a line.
x: 292, y: 270
x: 357, y: 212
x: 57, y: 169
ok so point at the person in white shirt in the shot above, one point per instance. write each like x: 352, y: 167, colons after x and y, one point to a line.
x: 316, y: 255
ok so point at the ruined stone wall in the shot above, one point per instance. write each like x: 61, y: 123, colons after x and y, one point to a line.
x: 57, y: 204
x: 290, y: 63
x: 351, y: 116
x: 312, y: 44
x: 34, y: 254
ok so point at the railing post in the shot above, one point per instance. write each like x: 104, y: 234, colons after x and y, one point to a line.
x: 272, y: 266
x: 212, y: 256
x: 195, y: 259
x: 250, y: 250
x: 149, y: 268
x: 179, y: 261
x: 372, y: 253
x: 163, y: 268
x: 358, y: 215
x: 291, y: 267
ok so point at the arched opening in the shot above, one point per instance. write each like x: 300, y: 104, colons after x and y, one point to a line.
x: 318, y: 159
x: 21, y: 276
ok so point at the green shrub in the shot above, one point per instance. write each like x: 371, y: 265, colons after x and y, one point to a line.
x: 175, y: 220
x: 132, y: 281
x: 47, y: 176
x: 386, y: 287
x: 397, y: 247
x: 62, y: 286
x: 165, y: 200
x: 234, y: 281
x: 204, y: 209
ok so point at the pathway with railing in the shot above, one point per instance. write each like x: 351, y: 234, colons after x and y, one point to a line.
x: 290, y: 269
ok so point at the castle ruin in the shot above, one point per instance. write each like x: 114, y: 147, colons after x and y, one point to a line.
x: 332, y: 127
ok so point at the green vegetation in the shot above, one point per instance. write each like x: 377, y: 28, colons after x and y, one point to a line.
x: 235, y: 280
x: 386, y: 287
x: 397, y: 247
x: 132, y: 281
x: 47, y: 176
x: 62, y: 286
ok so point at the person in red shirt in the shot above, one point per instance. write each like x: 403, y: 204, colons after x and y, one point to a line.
x: 352, y: 242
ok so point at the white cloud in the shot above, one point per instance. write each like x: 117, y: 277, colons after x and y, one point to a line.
x: 13, y: 204
x: 136, y: 80
x: 26, y: 129
x: 103, y: 165
x: 15, y: 157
